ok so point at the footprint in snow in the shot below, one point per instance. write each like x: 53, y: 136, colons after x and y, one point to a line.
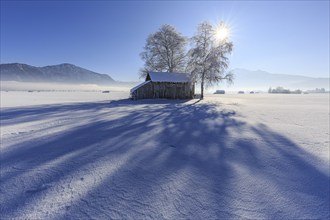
x: 41, y: 188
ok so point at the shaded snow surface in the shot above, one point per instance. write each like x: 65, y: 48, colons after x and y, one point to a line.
x: 226, y: 157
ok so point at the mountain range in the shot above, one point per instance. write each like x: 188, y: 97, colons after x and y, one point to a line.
x: 71, y: 74
x: 247, y: 79
x: 62, y: 73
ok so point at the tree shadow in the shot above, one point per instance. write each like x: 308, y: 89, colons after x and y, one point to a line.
x: 40, y: 112
x: 160, y: 159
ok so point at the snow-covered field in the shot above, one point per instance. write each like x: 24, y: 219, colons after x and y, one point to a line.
x: 35, y: 98
x: 92, y: 155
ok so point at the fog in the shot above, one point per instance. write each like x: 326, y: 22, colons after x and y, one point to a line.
x: 33, y: 86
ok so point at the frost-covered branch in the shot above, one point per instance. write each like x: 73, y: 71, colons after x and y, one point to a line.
x: 164, y: 51
x: 208, y: 59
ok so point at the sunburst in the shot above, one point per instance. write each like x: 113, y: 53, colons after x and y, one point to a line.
x: 222, y: 32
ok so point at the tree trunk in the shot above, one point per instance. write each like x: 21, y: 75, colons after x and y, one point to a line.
x: 202, y: 87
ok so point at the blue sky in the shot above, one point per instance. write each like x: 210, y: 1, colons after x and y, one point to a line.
x: 288, y: 37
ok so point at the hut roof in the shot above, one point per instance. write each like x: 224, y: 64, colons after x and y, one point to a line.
x: 138, y: 86
x: 167, y: 77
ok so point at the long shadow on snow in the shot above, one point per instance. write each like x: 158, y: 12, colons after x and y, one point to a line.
x: 70, y: 145
x: 185, y: 160
x: 39, y: 112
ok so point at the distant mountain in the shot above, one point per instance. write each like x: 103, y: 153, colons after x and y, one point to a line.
x: 247, y: 79
x: 62, y: 73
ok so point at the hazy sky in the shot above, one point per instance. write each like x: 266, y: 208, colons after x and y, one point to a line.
x: 289, y: 37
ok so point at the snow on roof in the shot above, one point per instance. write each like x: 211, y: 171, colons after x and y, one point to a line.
x: 168, y: 77
x: 138, y: 86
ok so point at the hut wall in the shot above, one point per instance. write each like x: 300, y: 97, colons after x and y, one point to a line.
x: 144, y: 92
x: 164, y: 90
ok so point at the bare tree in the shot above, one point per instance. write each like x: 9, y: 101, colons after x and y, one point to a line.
x: 208, y: 59
x: 164, y: 51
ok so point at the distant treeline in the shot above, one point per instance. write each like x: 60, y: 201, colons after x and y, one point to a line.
x: 282, y: 90
x: 317, y: 90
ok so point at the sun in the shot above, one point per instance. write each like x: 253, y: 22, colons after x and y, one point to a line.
x: 222, y: 32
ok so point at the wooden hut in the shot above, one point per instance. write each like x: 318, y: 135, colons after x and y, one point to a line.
x: 164, y: 85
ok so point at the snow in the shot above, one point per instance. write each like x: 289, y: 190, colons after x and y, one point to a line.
x: 168, y: 77
x: 24, y: 98
x: 225, y: 157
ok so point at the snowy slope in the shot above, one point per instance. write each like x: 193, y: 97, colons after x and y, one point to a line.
x: 226, y: 157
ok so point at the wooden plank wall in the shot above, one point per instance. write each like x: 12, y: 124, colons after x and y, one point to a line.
x: 164, y: 90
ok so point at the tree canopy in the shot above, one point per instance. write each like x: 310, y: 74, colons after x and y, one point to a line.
x: 208, y: 59
x: 164, y: 51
